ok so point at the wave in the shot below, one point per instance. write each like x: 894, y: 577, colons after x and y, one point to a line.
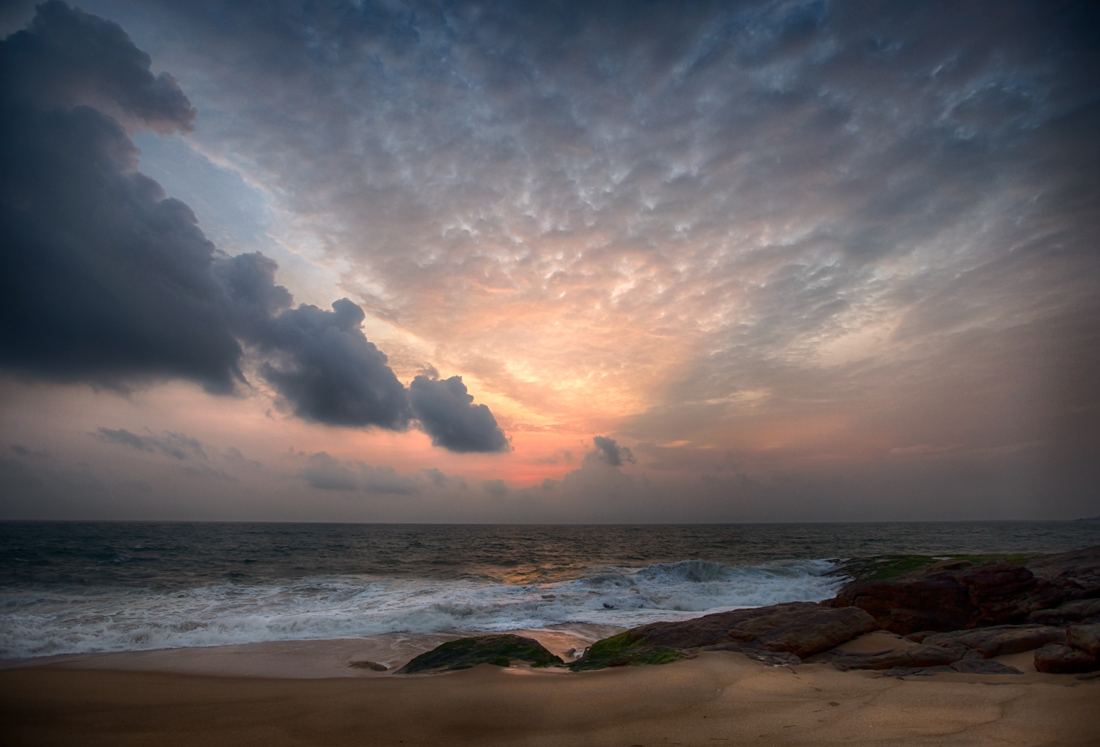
x: 59, y: 620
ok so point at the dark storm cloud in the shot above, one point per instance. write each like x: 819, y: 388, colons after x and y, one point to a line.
x: 106, y: 280
x: 609, y: 450
x: 103, y: 277
x: 447, y: 414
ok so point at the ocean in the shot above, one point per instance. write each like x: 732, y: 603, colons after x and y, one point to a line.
x: 79, y: 587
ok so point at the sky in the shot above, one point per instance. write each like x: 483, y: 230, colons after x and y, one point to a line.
x: 550, y: 262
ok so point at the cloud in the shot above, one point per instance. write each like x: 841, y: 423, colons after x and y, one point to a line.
x: 326, y: 472
x: 176, y: 445
x: 447, y: 413
x: 608, y: 450
x: 108, y: 281
x: 495, y: 488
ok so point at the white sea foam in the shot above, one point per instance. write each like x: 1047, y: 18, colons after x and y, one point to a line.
x: 38, y: 623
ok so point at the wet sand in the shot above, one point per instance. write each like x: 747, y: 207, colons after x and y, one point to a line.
x: 716, y: 698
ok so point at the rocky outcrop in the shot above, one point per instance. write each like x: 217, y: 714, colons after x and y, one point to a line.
x: 1080, y: 610
x: 1056, y: 658
x: 778, y: 634
x: 1084, y: 637
x: 918, y: 656
x: 960, y: 594
x: 499, y: 650
x: 1001, y: 639
x: 813, y: 631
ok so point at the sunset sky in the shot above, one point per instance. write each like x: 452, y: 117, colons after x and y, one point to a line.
x: 733, y: 261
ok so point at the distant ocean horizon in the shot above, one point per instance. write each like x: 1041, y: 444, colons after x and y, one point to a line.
x: 78, y: 587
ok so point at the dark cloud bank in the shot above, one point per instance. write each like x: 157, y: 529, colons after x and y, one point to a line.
x: 108, y: 281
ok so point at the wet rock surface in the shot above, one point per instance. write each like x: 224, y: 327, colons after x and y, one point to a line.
x: 499, y: 650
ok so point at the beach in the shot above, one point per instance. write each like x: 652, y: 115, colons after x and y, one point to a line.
x: 146, y: 698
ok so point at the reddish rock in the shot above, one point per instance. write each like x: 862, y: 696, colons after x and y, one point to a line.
x: 943, y: 599
x: 956, y: 595
x: 815, y: 631
x: 711, y: 630
x: 1056, y: 658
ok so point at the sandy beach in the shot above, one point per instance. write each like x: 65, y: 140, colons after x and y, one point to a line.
x: 306, y: 693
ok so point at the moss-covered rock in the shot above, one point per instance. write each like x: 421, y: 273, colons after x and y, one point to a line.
x: 626, y: 648
x: 499, y: 650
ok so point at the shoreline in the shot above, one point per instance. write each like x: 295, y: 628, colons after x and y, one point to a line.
x: 717, y: 697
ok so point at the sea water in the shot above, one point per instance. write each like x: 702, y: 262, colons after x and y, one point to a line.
x: 72, y: 587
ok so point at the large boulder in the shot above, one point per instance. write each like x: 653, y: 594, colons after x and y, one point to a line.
x: 959, y: 594
x: 1056, y: 658
x: 781, y: 633
x: 1085, y: 638
x: 999, y: 640
x: 917, y: 656
x: 814, y: 631
x: 1079, y: 610
x: 499, y: 650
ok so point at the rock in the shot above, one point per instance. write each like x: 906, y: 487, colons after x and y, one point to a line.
x: 1076, y: 611
x: 1084, y: 637
x: 796, y: 628
x: 372, y: 665
x: 631, y: 647
x: 709, y: 630
x: 485, y: 649
x: 915, y: 671
x: 999, y: 640
x: 773, y: 658
x: 956, y: 595
x: 982, y: 666
x: 1055, y: 658
x: 919, y: 656
x: 943, y: 597
x: 814, y: 631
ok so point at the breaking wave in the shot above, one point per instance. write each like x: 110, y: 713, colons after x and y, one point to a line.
x: 60, y: 620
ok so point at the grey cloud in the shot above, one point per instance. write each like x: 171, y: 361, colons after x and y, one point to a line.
x: 108, y: 281
x: 609, y: 451
x: 176, y: 445
x: 447, y: 414
x: 495, y: 488
x: 326, y: 472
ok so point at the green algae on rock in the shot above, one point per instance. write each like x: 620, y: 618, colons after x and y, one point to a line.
x: 626, y: 648
x: 499, y: 650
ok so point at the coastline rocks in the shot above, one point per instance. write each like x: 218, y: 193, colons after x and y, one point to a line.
x: 1084, y: 637
x: 1001, y: 639
x: 1080, y: 610
x: 498, y: 650
x: 813, y: 631
x: 778, y: 634
x: 957, y: 594
x: 1056, y: 658
x: 921, y: 656
x: 943, y: 597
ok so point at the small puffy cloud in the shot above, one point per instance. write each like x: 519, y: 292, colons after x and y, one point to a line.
x: 609, y: 451
x: 446, y: 413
